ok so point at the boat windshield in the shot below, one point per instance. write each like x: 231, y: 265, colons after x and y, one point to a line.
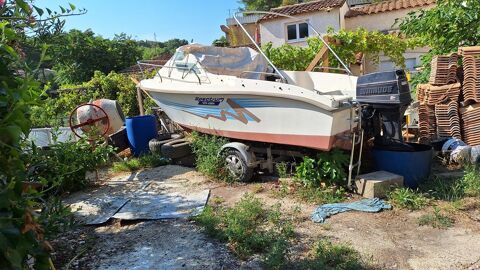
x: 240, y: 62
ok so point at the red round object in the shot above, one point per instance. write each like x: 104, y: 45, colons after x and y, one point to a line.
x: 90, y: 121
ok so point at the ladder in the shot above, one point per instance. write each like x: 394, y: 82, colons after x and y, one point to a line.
x: 357, y: 141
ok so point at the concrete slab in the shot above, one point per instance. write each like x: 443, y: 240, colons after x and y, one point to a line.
x: 377, y: 184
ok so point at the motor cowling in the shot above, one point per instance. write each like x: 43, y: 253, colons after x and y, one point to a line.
x: 384, y: 98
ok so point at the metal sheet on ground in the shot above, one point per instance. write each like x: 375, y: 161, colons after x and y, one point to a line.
x: 97, y: 210
x: 148, y: 205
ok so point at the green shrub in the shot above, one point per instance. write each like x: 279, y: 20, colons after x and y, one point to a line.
x: 471, y: 181
x: 249, y: 228
x: 62, y: 166
x: 208, y: 160
x: 407, y: 198
x: 282, y: 169
x: 56, y: 111
x: 326, y: 255
x: 144, y: 161
x: 436, y: 220
x: 329, y: 168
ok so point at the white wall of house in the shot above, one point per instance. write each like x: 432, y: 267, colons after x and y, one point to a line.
x: 275, y: 30
x: 385, y: 21
x: 379, y: 21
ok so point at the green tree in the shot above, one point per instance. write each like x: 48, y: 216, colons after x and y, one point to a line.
x: 22, y: 242
x: 220, y: 42
x: 76, y: 55
x: 264, y: 5
x: 452, y: 23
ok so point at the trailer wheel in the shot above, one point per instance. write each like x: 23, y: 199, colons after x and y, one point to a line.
x: 237, y: 165
x: 155, y: 145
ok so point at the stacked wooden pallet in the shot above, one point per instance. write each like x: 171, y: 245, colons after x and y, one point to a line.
x: 470, y: 112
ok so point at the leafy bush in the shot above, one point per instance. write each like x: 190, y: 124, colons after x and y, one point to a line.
x: 289, y: 57
x: 329, y: 168
x: 208, y: 159
x: 62, y: 167
x: 327, y: 255
x: 443, y: 28
x: 346, y: 44
x: 144, y: 161
x: 471, y: 182
x: 250, y: 228
x: 407, y: 198
x: 282, y: 169
x: 55, y: 111
x: 436, y: 220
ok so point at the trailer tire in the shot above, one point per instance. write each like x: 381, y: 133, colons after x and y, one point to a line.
x: 176, y: 149
x: 236, y: 165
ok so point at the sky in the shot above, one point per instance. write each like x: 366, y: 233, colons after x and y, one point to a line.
x: 159, y: 20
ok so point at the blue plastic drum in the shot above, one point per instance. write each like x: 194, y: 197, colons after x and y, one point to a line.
x: 140, y: 130
x: 414, y: 165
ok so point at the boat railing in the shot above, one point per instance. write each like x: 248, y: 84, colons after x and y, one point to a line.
x: 282, y: 79
x: 158, y: 67
x: 236, y: 17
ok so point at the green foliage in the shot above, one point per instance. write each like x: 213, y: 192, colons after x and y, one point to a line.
x: 62, y: 167
x: 347, y: 44
x: 144, y: 161
x: 220, y: 42
x: 250, y: 228
x: 407, y: 198
x: 289, y: 57
x: 22, y: 239
x: 445, y: 27
x: 153, y: 49
x: 282, y: 169
x: 263, y: 5
x: 329, y: 168
x: 208, y: 158
x: 436, y: 220
x: 471, y: 182
x: 454, y: 189
x: 76, y: 55
x: 330, y: 256
x: 55, y: 111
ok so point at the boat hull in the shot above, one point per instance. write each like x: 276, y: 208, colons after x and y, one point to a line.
x: 257, y: 118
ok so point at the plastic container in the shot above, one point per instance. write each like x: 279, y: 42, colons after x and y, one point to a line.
x: 414, y: 165
x: 140, y: 130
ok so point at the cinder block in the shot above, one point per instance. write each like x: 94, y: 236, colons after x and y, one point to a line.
x: 377, y: 184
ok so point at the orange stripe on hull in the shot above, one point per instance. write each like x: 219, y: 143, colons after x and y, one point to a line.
x: 325, y: 143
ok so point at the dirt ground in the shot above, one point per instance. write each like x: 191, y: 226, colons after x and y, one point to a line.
x: 388, y: 240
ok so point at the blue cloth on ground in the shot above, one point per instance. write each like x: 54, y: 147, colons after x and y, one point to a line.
x: 367, y: 205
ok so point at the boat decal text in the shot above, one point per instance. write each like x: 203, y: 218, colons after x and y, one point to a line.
x: 236, y: 112
x: 209, y: 101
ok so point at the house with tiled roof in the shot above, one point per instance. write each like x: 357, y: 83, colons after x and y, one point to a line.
x: 338, y: 14
x: 322, y: 14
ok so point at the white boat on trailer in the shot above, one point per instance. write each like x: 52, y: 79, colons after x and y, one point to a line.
x: 238, y: 93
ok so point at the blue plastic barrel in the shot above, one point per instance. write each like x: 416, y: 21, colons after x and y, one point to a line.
x: 414, y: 166
x: 140, y: 130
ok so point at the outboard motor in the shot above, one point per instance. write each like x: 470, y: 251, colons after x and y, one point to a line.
x: 384, y: 98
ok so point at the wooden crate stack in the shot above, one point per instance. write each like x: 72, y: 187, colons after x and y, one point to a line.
x: 438, y: 111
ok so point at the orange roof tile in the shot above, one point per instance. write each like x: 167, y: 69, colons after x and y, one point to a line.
x: 305, y: 7
x: 386, y: 6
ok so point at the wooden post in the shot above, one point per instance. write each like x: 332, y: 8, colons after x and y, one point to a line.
x: 140, y: 101
x: 320, y: 55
